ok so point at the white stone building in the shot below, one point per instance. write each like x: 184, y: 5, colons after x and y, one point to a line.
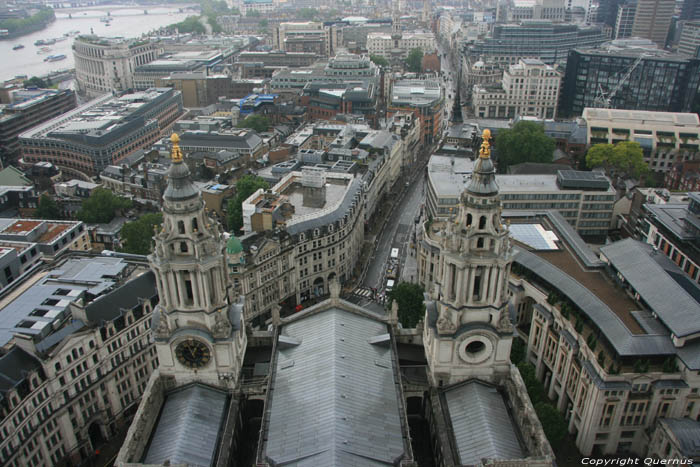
x: 666, y: 138
x: 387, y: 45
x: 528, y: 89
x: 75, y: 366
x: 104, y: 65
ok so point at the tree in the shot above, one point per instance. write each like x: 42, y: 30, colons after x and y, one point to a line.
x: 47, y: 209
x: 136, y: 236
x: 307, y: 14
x: 245, y: 186
x: 518, y: 351
x: 624, y: 159
x: 36, y: 81
x: 410, y: 299
x: 253, y: 14
x: 379, y: 60
x: 414, y: 61
x: 553, y: 424
x: 263, y: 23
x: 259, y: 123
x: 101, y: 207
x: 525, y: 142
x: 191, y: 24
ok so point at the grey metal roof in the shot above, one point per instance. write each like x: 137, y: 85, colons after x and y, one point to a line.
x: 14, y: 366
x: 675, y: 307
x: 112, y: 305
x: 180, y: 186
x: 624, y: 342
x: 319, y: 222
x: 58, y: 336
x: 574, y: 240
x: 483, y: 180
x: 687, y: 432
x: 334, y: 399
x: 481, y: 425
x: 46, y: 301
x: 188, y: 427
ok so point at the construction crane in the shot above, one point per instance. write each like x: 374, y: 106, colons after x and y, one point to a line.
x: 603, y: 100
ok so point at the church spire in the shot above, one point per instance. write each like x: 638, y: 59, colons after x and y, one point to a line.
x: 483, y: 182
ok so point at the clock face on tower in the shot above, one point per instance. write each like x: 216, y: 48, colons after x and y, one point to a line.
x: 193, y: 353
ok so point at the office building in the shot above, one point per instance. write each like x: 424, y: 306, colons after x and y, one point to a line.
x: 102, y: 132
x: 671, y: 229
x: 338, y: 69
x: 584, y: 199
x: 521, y: 10
x: 104, y: 65
x: 690, y: 39
x: 326, y: 100
x: 625, y: 19
x: 386, y: 45
x: 655, y: 79
x: 690, y: 10
x: 422, y: 97
x: 308, y: 37
x: 76, y: 358
x: 244, y: 145
x: 666, y: 138
x: 543, y: 40
x: 652, y: 20
x: 22, y: 109
x: 199, y: 88
x: 529, y: 88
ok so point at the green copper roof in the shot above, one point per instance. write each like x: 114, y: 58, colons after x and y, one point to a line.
x: 233, y: 246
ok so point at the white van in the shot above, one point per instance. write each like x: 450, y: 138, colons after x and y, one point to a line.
x: 389, y: 285
x: 394, y: 253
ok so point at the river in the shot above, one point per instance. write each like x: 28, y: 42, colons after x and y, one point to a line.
x: 128, y: 22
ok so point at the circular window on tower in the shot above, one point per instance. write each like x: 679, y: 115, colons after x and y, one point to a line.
x: 475, y: 349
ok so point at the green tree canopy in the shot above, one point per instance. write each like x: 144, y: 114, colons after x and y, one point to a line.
x: 191, y: 24
x: 25, y: 25
x: 136, y: 236
x: 553, y: 423
x: 258, y: 123
x: 525, y: 142
x: 414, y: 61
x: 379, y: 60
x: 245, y: 186
x: 101, y: 207
x: 410, y: 299
x: 307, y: 14
x: 47, y: 209
x: 622, y: 159
x: 263, y: 23
x: 36, y: 81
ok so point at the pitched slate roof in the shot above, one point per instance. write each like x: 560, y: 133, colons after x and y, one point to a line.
x: 188, y: 427
x: 481, y: 425
x: 334, y: 399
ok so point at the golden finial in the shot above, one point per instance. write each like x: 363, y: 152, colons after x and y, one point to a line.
x: 485, y: 151
x: 175, y: 153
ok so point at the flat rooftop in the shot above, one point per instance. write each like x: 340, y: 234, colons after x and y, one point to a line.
x: 335, y: 190
x: 641, y: 117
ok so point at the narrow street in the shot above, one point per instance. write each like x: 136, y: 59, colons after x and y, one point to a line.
x: 399, y: 229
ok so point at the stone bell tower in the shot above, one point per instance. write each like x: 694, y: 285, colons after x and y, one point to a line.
x: 468, y: 333
x: 199, y: 331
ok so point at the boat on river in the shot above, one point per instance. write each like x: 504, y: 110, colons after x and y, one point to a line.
x: 17, y: 47
x: 55, y: 58
x: 43, y: 50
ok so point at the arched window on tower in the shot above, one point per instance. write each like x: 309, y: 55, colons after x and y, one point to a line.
x: 480, y: 242
x: 482, y: 222
x: 194, y: 224
x: 181, y: 226
x: 469, y: 220
x: 183, y: 247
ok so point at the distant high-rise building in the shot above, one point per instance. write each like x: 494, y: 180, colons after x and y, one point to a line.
x: 652, y: 20
x: 625, y: 19
x: 659, y: 80
x: 690, y: 39
x: 690, y: 10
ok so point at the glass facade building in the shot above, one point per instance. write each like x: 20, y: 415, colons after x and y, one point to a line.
x: 544, y: 40
x: 660, y: 81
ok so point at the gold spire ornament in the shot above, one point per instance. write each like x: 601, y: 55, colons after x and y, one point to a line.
x: 175, y: 153
x: 485, y: 151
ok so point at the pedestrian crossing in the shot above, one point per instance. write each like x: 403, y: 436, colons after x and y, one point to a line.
x: 363, y: 292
